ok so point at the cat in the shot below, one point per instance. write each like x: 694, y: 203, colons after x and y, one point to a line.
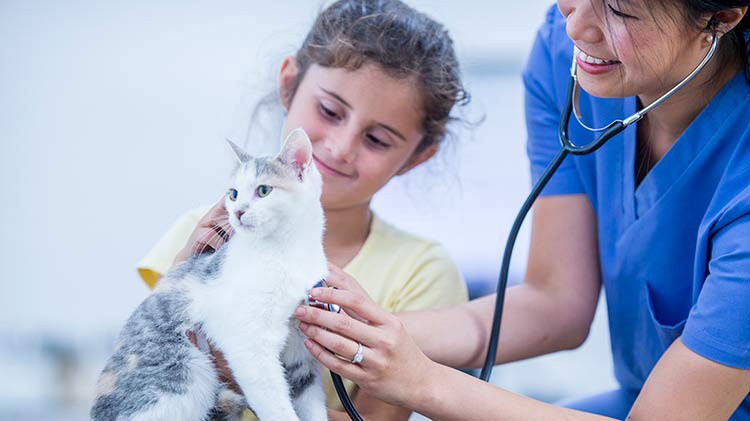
x: 241, y: 298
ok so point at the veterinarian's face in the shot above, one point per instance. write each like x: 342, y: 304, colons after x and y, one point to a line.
x: 627, y: 48
x: 364, y: 126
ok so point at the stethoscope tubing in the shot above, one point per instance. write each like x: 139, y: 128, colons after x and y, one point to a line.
x: 567, y: 148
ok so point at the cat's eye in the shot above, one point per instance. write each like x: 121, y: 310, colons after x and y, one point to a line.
x: 232, y: 193
x: 263, y: 190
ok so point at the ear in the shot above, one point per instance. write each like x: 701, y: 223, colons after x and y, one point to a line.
x: 419, y: 158
x: 240, y: 153
x: 727, y: 19
x: 297, y: 151
x: 287, y: 77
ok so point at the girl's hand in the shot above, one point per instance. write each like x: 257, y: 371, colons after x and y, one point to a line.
x: 393, y: 368
x: 220, y: 364
x: 212, y: 231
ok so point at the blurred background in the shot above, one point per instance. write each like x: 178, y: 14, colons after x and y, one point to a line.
x: 112, y: 120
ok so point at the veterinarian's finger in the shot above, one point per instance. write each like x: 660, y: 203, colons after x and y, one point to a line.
x: 339, y: 345
x: 342, y: 280
x: 352, y: 300
x: 339, y: 323
x: 341, y: 367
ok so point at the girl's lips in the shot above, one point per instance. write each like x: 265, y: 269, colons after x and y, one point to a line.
x: 328, y: 170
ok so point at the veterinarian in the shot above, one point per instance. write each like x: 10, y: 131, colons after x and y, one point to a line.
x: 659, y: 216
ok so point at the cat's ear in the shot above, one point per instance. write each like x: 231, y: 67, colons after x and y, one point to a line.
x: 240, y: 153
x: 297, y: 151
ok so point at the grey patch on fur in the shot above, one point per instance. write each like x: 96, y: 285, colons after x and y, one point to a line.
x: 229, y: 407
x: 297, y: 385
x: 270, y: 167
x: 290, y: 369
x: 299, y: 376
x: 205, y: 266
x: 155, y: 333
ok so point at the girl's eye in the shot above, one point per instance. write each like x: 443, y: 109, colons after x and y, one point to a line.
x: 263, y: 190
x: 377, y: 142
x: 327, y: 112
x: 619, y: 13
x: 232, y: 194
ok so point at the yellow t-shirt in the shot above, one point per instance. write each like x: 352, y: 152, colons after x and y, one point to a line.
x: 400, y: 271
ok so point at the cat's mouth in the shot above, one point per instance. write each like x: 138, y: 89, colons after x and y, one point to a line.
x: 243, y: 225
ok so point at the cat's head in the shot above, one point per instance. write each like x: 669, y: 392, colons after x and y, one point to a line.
x: 270, y: 193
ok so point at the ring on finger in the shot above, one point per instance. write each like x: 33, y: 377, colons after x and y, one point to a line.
x: 358, y: 355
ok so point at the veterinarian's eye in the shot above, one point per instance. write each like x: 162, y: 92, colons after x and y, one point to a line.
x: 232, y: 194
x: 263, y: 190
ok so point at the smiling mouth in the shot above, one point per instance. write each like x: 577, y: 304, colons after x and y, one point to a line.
x: 325, y: 168
x: 586, y: 58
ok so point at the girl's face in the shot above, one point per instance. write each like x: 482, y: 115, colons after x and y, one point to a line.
x: 641, y: 51
x: 364, y: 126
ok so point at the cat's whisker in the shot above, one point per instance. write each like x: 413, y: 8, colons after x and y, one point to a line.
x: 210, y: 237
x: 200, y: 244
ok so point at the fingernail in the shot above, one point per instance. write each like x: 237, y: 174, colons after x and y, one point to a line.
x: 300, y: 311
x: 315, y: 292
x: 303, y: 326
x: 308, y: 343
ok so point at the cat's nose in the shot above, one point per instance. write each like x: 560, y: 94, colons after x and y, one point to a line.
x: 239, y: 214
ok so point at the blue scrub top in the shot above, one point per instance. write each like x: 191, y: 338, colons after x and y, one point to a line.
x: 674, y: 251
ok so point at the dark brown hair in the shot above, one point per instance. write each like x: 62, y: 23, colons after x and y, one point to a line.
x: 401, y: 41
x: 733, y: 44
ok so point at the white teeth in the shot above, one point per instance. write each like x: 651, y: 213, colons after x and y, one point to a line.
x: 589, y: 59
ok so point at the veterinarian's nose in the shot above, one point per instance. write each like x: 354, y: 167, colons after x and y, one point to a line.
x: 239, y: 214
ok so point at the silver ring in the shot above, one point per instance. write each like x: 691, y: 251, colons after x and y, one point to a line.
x: 357, y: 355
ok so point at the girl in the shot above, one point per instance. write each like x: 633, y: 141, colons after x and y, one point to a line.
x: 373, y: 86
x: 660, y: 216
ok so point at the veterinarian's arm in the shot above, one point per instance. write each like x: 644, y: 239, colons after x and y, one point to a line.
x: 550, y: 311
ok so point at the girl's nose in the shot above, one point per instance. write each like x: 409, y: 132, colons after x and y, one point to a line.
x: 343, y: 146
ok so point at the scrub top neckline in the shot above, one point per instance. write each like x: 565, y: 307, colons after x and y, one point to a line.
x: 663, y: 175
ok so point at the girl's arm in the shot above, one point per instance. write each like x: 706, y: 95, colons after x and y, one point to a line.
x: 553, y: 308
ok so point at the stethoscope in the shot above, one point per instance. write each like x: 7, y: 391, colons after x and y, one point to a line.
x: 568, y: 147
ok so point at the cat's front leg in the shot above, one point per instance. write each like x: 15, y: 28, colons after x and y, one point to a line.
x: 305, y: 379
x: 310, y: 403
x: 264, y: 385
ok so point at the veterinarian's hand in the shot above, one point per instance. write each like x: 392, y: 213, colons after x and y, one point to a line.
x: 212, y: 231
x: 393, y: 368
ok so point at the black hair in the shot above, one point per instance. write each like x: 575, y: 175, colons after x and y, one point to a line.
x: 733, y: 44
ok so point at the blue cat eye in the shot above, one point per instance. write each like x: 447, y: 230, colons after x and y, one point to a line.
x: 232, y: 194
x: 263, y: 190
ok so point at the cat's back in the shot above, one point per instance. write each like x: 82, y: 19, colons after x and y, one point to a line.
x: 152, y: 358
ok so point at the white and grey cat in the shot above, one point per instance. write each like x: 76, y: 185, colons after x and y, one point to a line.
x: 241, y: 298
